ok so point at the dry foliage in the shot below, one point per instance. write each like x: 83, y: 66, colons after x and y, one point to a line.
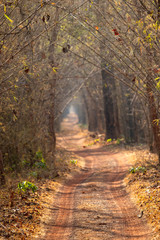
x: 145, y: 188
x: 20, y: 216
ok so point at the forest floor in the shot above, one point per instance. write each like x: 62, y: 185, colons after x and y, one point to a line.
x: 93, y: 196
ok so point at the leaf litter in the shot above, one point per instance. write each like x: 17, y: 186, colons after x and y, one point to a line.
x: 21, y: 216
x: 144, y: 188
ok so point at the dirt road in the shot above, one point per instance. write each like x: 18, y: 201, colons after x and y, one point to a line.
x: 94, y: 204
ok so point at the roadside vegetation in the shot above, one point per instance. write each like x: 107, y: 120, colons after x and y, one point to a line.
x: 26, y: 194
x: 143, y: 184
x: 98, y: 59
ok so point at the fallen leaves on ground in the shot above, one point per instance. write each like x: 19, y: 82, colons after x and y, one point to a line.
x: 21, y: 215
x: 144, y: 188
x: 19, y: 220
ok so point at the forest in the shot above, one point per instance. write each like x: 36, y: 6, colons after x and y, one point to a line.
x: 98, y: 58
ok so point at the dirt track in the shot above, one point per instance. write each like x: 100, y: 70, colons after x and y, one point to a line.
x: 94, y: 203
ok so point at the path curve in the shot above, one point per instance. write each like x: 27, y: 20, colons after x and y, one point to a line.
x: 94, y: 204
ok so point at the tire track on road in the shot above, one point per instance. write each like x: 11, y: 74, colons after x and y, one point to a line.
x: 61, y: 229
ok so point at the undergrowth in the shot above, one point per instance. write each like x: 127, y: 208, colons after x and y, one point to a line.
x: 143, y: 182
x: 23, y: 195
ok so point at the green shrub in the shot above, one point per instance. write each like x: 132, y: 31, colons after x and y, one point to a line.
x: 41, y: 161
x: 137, y: 169
x: 118, y: 141
x: 74, y: 162
x: 40, y: 164
x: 26, y: 186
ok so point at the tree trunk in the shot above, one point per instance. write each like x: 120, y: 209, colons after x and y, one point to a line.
x: 91, y: 112
x: 158, y: 11
x: 153, y: 117
x: 110, y: 106
x: 52, y: 83
x: 2, y: 177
